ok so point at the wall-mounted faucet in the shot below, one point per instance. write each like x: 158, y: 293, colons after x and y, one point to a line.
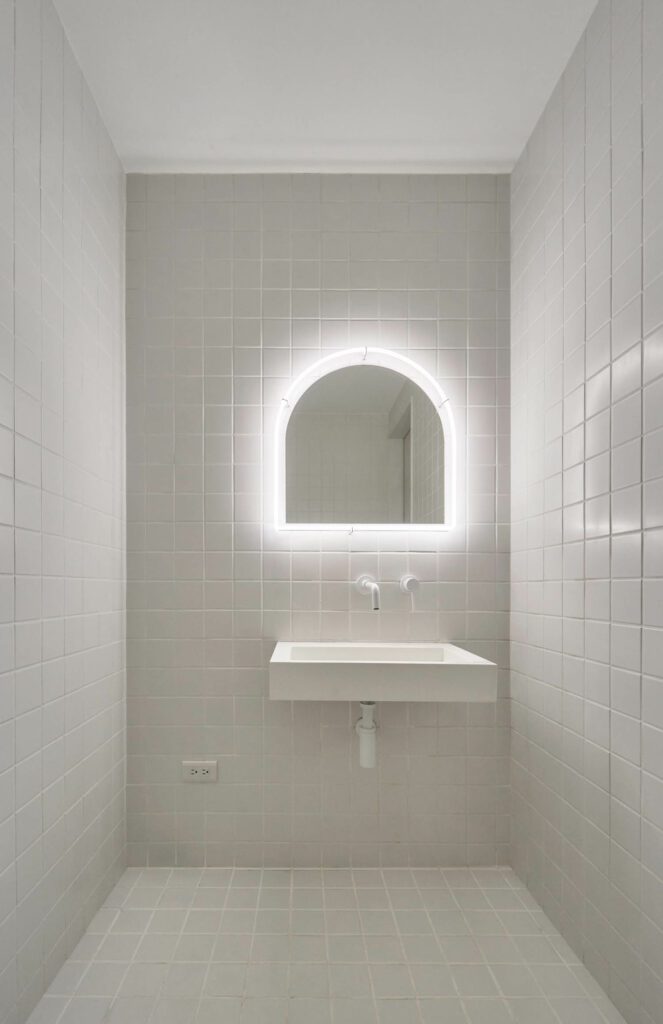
x: 367, y: 585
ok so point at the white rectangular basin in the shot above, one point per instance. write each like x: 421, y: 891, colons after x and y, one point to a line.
x: 379, y: 671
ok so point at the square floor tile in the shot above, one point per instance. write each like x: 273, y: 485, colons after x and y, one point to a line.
x: 432, y: 982
x: 384, y: 949
x: 267, y: 980
x: 353, y: 1011
x: 309, y: 980
x: 131, y: 1010
x: 398, y: 1011
x: 309, y: 1011
x: 218, y: 1011
x: 264, y: 1011
x: 531, y: 1011
x: 515, y: 980
x: 225, y: 980
x: 442, y: 1011
x: 232, y: 947
x: 349, y: 981
x: 392, y: 981
x: 85, y: 1010
x: 143, y: 980
x: 101, y: 979
x: 347, y: 949
x: 185, y: 980
x: 473, y: 980
x: 558, y: 981
x: 487, y: 1011
x: 399, y: 946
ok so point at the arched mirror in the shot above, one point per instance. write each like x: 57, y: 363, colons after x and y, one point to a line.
x: 365, y: 440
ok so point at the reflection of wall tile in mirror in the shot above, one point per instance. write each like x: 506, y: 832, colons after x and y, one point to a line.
x: 364, y: 445
x: 427, y: 453
x: 343, y: 468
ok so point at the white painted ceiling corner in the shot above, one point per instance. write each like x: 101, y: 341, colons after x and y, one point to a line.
x: 322, y: 85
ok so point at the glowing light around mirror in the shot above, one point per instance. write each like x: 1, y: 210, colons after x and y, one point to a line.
x: 371, y: 357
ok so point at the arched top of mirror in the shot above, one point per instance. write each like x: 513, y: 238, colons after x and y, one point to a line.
x: 365, y: 440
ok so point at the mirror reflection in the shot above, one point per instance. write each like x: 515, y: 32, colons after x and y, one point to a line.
x: 365, y: 445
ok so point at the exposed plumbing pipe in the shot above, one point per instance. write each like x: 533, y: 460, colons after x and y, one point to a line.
x: 366, y: 730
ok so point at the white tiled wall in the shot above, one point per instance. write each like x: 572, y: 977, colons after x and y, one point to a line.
x: 587, y: 590
x: 235, y: 284
x: 61, y: 505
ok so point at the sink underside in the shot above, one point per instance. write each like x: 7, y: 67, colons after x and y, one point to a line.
x: 380, y: 672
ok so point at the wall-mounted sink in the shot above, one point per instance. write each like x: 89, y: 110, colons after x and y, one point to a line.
x: 379, y: 671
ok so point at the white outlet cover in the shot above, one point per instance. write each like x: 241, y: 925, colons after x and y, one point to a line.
x: 199, y: 771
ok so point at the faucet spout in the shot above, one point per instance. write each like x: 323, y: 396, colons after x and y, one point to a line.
x: 367, y: 585
x: 375, y: 596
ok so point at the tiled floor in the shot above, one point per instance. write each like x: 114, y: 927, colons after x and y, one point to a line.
x: 224, y: 946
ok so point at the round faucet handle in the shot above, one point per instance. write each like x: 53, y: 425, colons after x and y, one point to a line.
x: 409, y: 584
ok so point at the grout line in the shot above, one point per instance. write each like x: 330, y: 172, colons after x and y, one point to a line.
x: 218, y: 932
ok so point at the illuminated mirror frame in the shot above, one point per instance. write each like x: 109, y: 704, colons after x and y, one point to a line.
x: 365, y: 356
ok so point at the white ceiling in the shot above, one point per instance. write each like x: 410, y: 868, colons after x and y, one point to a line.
x: 337, y: 85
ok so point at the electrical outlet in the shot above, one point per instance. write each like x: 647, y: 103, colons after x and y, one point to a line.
x: 199, y: 771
